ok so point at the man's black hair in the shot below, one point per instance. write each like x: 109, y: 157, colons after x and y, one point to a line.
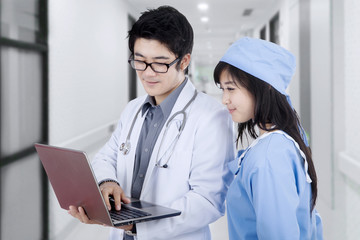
x: 166, y: 25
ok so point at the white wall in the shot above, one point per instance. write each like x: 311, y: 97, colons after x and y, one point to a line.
x: 335, y: 112
x: 321, y: 104
x: 292, y: 19
x: 321, y: 107
x: 88, y: 86
x: 349, y: 158
x: 87, y: 66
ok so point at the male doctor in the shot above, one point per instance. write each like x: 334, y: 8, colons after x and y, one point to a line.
x: 157, y: 154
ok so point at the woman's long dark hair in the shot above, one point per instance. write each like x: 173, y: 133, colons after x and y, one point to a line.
x: 270, y: 107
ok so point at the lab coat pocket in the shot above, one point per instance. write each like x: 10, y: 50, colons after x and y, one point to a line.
x: 167, y: 184
x: 168, y: 141
x: 178, y: 167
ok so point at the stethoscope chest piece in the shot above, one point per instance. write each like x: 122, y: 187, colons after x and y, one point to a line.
x: 125, y: 148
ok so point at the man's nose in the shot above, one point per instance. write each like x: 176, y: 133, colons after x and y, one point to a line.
x: 149, y: 71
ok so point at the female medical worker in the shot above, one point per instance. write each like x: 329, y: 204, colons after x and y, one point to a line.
x: 274, y: 191
x: 165, y: 148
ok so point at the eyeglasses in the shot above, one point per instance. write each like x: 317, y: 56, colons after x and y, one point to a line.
x: 156, y: 67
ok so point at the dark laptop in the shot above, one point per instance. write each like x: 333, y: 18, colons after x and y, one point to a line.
x: 74, y: 183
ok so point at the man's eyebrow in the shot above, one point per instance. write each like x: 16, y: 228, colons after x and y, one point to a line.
x: 161, y: 57
x: 138, y: 55
x: 158, y: 57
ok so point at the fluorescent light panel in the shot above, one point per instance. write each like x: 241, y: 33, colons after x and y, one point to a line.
x: 203, y: 6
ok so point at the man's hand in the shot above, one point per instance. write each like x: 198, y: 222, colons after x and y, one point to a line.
x: 107, y: 189
x: 80, y: 214
x: 111, y: 188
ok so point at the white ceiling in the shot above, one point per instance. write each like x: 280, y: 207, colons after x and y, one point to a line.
x: 226, y: 22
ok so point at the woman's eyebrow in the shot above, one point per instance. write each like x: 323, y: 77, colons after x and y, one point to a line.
x: 228, y: 83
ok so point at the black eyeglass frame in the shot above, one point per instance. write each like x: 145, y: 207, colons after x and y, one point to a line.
x: 168, y: 65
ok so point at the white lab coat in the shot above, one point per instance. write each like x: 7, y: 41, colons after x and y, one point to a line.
x: 197, y: 177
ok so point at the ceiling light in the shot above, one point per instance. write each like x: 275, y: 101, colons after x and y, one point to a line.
x: 204, y: 19
x: 203, y: 6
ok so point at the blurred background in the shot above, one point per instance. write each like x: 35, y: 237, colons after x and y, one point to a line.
x: 64, y: 80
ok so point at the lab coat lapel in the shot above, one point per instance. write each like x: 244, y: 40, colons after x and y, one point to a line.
x: 130, y: 158
x: 173, y: 130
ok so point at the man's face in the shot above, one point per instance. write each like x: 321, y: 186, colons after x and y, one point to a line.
x: 158, y: 85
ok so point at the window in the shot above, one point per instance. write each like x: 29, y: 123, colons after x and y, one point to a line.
x: 21, y: 100
x: 132, y: 72
x: 23, y: 118
x: 263, y: 33
x: 274, y: 29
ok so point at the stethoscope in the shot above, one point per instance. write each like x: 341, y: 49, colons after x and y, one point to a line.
x: 125, y: 147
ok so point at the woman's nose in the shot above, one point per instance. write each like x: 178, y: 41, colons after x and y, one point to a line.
x: 225, y: 98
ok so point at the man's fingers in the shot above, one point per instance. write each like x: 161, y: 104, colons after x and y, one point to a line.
x: 119, y: 196
x: 77, y: 213
x: 124, y: 198
x: 107, y: 202
x: 106, y: 194
x: 117, y: 199
x: 80, y: 214
x: 126, y: 227
x: 84, y: 218
x: 72, y: 211
x: 113, y: 189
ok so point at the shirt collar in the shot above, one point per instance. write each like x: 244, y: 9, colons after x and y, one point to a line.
x: 168, y: 103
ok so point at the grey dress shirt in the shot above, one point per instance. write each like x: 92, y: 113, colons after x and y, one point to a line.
x: 154, y: 121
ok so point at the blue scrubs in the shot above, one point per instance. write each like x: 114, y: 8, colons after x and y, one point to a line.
x: 270, y: 195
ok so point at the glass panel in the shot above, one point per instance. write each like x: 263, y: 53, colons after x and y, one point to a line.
x: 20, y: 19
x: 263, y: 33
x: 21, y: 100
x: 20, y: 199
x: 274, y: 29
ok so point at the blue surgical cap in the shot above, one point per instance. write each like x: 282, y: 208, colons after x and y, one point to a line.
x: 264, y: 60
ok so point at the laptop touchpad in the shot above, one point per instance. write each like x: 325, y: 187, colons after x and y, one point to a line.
x: 138, y: 204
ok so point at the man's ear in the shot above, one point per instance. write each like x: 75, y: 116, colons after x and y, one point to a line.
x: 185, y: 61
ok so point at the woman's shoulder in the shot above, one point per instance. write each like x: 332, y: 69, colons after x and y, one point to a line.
x: 276, y: 140
x: 275, y: 148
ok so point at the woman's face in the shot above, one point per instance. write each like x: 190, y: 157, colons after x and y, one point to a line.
x: 238, y: 100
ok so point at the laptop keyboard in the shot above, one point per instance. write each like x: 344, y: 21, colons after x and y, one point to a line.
x: 127, y: 213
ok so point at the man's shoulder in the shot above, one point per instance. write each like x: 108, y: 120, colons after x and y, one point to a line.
x: 136, y: 101
x: 133, y: 105
x: 203, y: 99
x: 209, y: 102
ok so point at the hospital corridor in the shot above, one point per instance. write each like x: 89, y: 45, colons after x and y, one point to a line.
x: 65, y: 80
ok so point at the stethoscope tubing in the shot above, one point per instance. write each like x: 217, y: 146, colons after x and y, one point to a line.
x: 125, y: 147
